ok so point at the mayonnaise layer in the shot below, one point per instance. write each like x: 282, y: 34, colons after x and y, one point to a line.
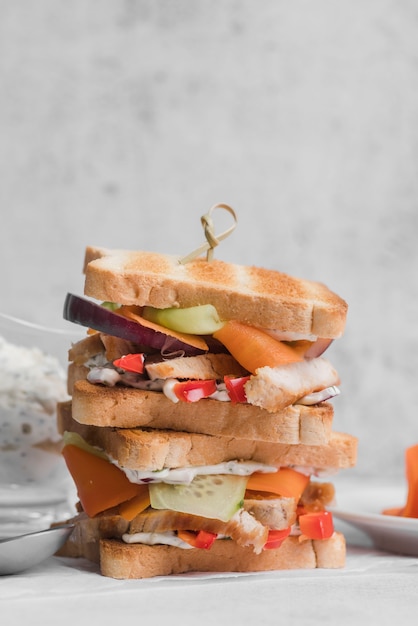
x: 185, y: 475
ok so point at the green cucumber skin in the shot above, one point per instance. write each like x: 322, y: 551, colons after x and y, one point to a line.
x: 202, y: 497
x: 197, y: 320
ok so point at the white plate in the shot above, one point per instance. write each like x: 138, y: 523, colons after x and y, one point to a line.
x: 361, y: 506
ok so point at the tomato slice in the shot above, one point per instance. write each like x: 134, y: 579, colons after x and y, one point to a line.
x: 194, y: 390
x: 318, y: 525
x: 131, y: 363
x: 275, y: 538
x: 235, y: 387
x: 201, y: 539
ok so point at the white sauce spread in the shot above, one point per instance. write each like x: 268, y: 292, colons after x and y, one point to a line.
x: 168, y: 538
x: 185, y: 475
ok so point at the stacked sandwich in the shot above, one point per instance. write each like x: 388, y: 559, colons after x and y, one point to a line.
x: 199, y: 434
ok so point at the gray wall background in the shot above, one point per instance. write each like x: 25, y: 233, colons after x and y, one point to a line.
x: 123, y: 121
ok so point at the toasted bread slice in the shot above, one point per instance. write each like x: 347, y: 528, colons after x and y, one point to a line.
x: 132, y: 561
x: 253, y: 295
x: 120, y: 560
x: 124, y: 407
x: 151, y: 449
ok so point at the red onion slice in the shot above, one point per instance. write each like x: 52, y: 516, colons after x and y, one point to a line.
x: 318, y: 348
x: 92, y: 315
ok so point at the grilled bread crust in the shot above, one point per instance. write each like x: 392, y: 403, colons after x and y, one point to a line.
x: 117, y: 559
x: 122, y: 561
x: 257, y: 296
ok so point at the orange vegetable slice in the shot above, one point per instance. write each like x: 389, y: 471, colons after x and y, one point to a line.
x: 287, y: 482
x: 396, y: 511
x: 100, y: 484
x: 411, y: 462
x: 411, y: 471
x: 253, y: 348
x: 133, y: 507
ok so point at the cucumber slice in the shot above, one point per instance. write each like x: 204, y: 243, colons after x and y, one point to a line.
x: 216, y: 496
x: 194, y: 320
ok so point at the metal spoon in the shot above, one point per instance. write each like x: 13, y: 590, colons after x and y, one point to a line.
x: 24, y: 551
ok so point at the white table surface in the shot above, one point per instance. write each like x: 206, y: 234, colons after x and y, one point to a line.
x: 374, y: 588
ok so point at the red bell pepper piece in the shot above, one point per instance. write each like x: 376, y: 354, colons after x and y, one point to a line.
x: 235, y: 387
x: 317, y: 525
x: 131, y: 363
x: 201, y: 539
x: 194, y: 390
x: 275, y: 538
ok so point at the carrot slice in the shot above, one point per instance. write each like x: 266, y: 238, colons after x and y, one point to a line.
x: 133, y: 507
x: 100, y: 484
x: 397, y: 511
x: 287, y: 482
x: 411, y: 471
x: 253, y: 348
x: 411, y: 462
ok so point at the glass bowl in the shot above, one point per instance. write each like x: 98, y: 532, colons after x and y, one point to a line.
x: 35, y: 487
